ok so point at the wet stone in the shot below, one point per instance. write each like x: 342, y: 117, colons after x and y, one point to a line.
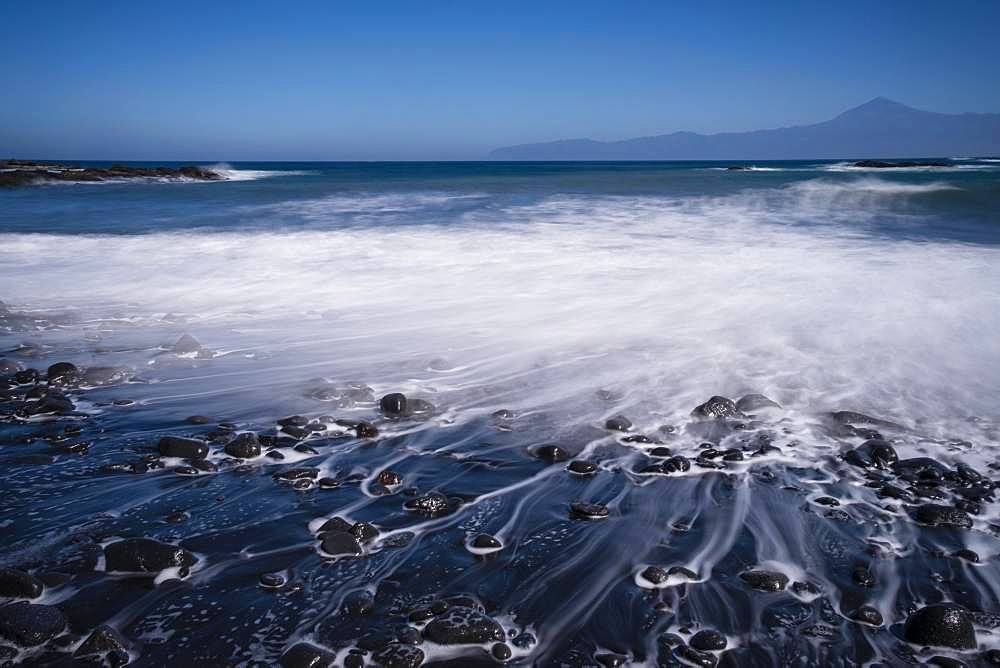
x: 618, y: 423
x: 340, y: 544
x: 755, y: 402
x: 863, y: 577
x: 660, y: 452
x: 328, y: 483
x: 590, y: 511
x: 29, y: 625
x: 941, y: 625
x: 708, y: 640
x: 15, y: 583
x: 365, y: 430
x: 63, y: 374
x: 398, y: 655
x: 484, y: 541
x: 145, y: 555
x: 393, y: 405
x: 942, y: 516
x: 275, y: 455
x: 272, y: 580
x: 654, y: 574
x: 102, y: 641
x: 244, y: 446
x: 716, y: 407
x: 967, y: 555
x: 389, y: 477
x: 694, y: 657
x: 550, y: 453
x: 827, y: 501
x: 364, y: 531
x: 581, y: 467
x: 501, y: 652
x: 767, y: 581
x: 304, y: 655
x: 609, y: 660
x: 185, y: 448
x: 359, y: 602
x: 433, y: 503
x: 463, y: 625
x: 867, y: 615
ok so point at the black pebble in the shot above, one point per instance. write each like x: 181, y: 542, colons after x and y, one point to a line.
x: 708, y: 640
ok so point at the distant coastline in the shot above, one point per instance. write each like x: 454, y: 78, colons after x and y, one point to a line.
x: 879, y: 129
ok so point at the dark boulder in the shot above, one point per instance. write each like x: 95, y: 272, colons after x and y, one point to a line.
x: 942, y: 516
x: 590, y: 511
x: 18, y: 584
x: 432, y: 503
x: 244, y: 446
x: 63, y: 374
x: 104, y: 640
x: 461, y: 625
x: 769, y: 581
x: 941, y: 625
x: 618, y: 423
x: 29, y: 625
x: 340, y: 544
x: 186, y: 448
x: 873, y: 453
x: 393, y: 405
x: 101, y: 376
x: 755, y: 402
x: 304, y: 655
x: 550, y: 453
x: 398, y: 655
x: 708, y: 640
x: 716, y: 407
x: 484, y: 541
x: 145, y: 555
x: 581, y: 467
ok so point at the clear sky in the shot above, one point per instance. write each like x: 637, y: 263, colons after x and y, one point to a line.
x: 451, y: 80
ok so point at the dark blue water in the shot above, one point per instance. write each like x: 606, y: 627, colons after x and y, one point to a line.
x: 563, y: 293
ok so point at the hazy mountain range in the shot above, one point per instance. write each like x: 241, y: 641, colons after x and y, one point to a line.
x: 881, y: 128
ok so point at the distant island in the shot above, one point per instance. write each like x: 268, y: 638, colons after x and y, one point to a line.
x: 880, y: 128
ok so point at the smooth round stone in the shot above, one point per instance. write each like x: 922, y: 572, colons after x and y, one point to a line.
x: 393, y: 405
x: 359, y: 602
x: 660, y: 452
x: 618, y: 423
x: 389, y: 477
x: 827, y: 501
x: 145, y: 555
x: 767, y: 581
x: 708, y: 640
x: 29, y: 625
x: 365, y: 430
x: 328, y: 483
x: 867, y: 615
x: 654, y: 574
x: 340, y: 544
x: 244, y: 446
x: 968, y: 555
x: 305, y: 655
x: 611, y: 660
x: 272, y: 580
x: 589, y: 510
x: 484, y: 541
x: 550, y: 453
x: 941, y: 625
x: 275, y: 455
x: 501, y: 651
x: 582, y: 467
x: 461, y: 625
x: 185, y: 448
x: 62, y: 374
x: 16, y: 583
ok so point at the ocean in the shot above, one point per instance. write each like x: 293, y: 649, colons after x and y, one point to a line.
x: 517, y: 307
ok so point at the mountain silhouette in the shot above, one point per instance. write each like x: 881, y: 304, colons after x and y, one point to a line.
x: 880, y: 128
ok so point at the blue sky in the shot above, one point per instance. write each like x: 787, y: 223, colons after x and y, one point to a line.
x: 452, y: 80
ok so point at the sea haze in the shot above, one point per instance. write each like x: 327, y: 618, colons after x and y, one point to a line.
x: 565, y: 294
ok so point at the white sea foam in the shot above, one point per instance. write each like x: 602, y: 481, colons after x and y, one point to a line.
x: 227, y: 171
x: 670, y: 300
